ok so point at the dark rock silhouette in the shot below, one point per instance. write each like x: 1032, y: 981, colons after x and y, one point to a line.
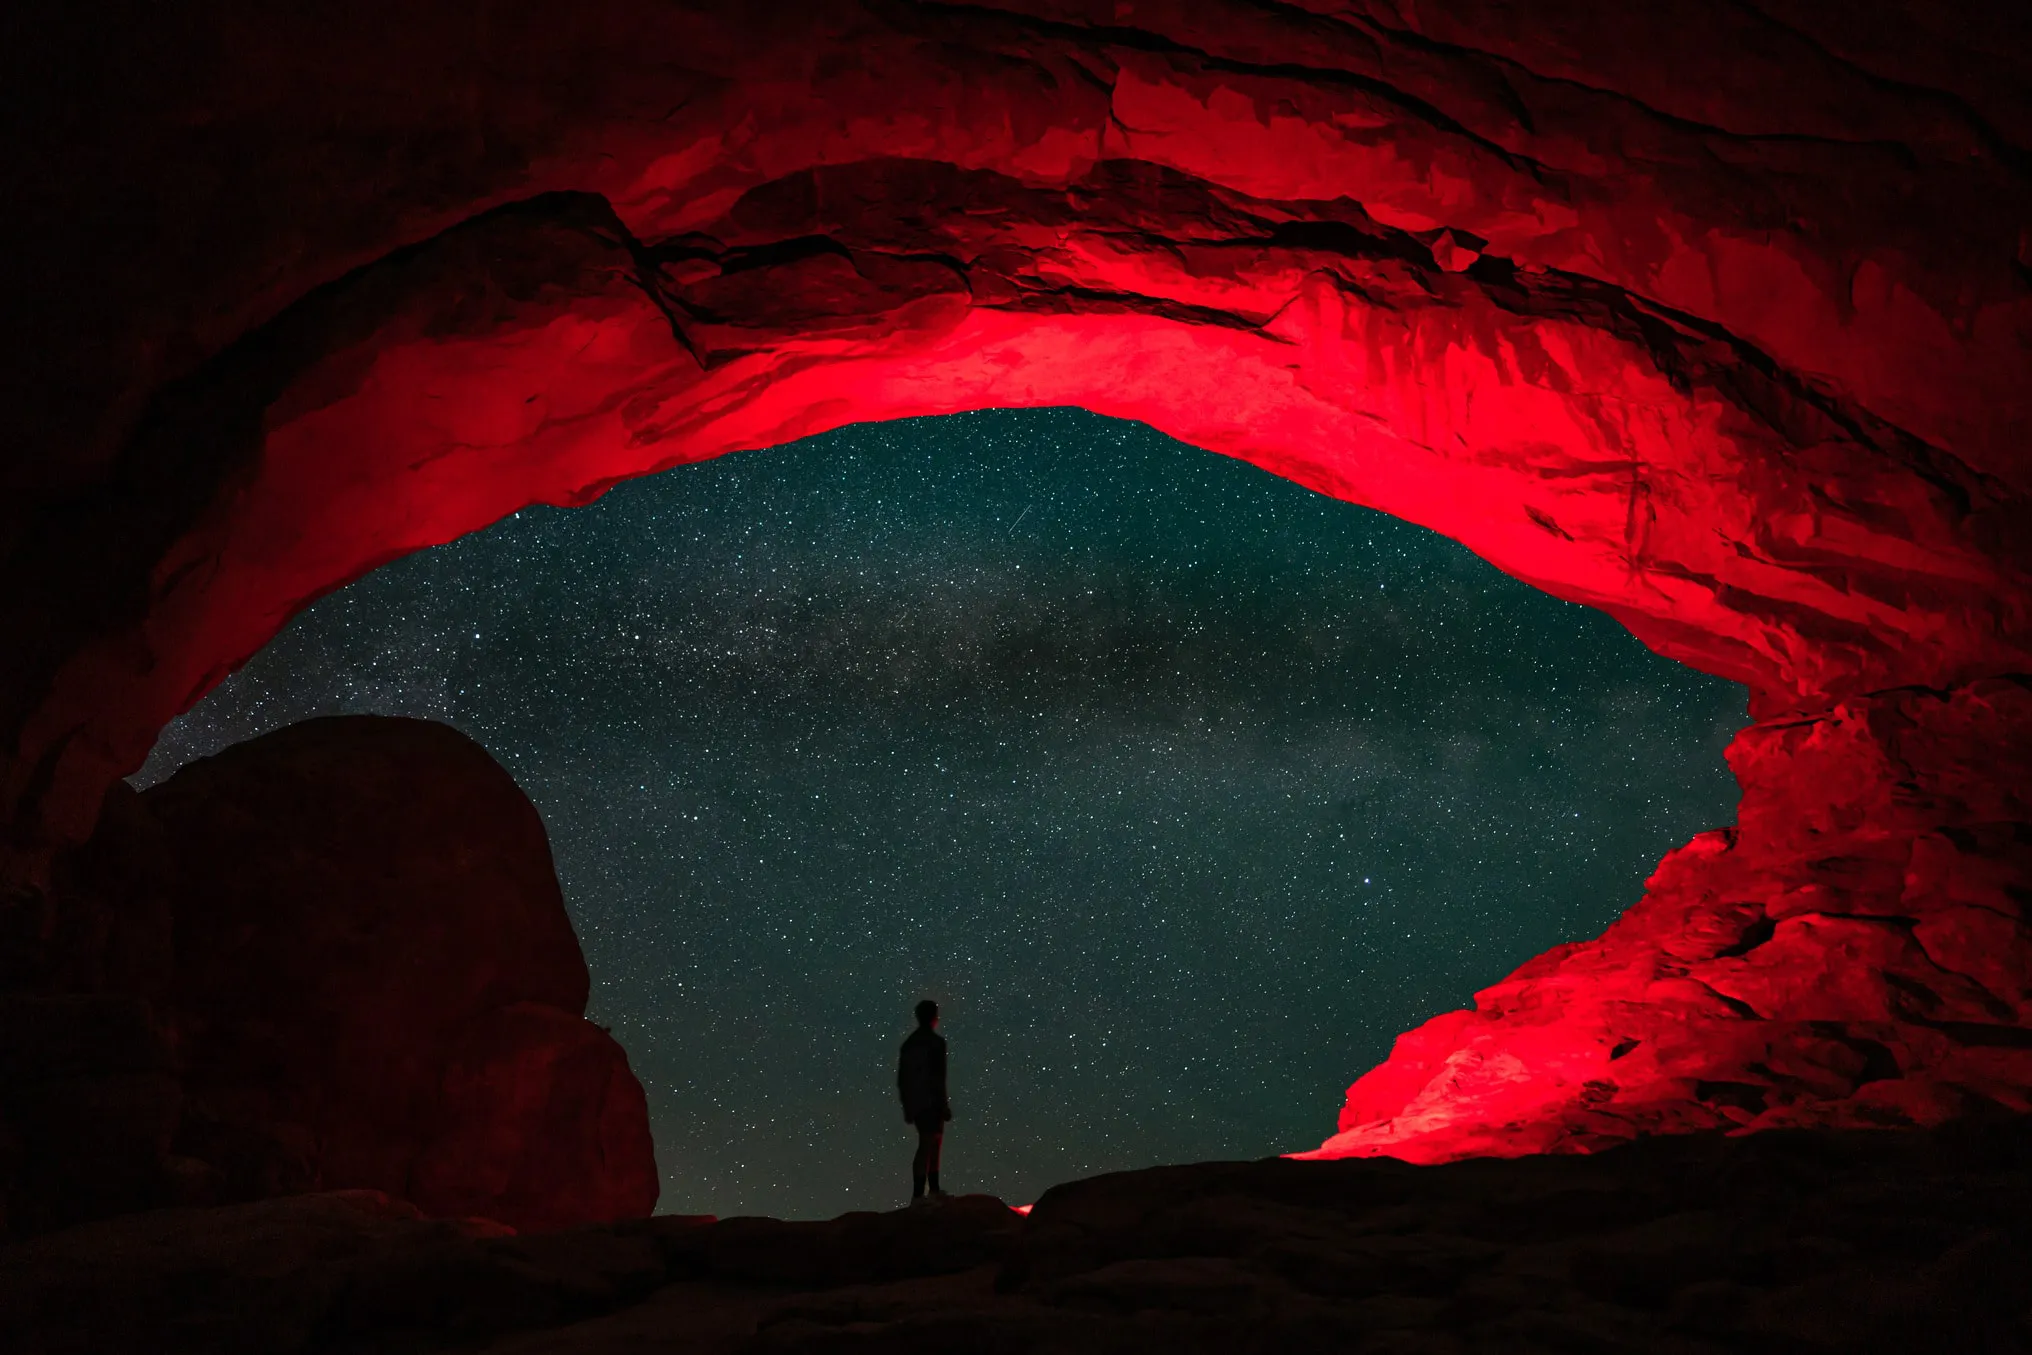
x: 539, y: 1122
x: 89, y: 1103
x: 1792, y: 1241
x: 374, y: 985
x: 373, y: 958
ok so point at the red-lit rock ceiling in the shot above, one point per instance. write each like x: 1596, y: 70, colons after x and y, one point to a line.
x: 1714, y: 318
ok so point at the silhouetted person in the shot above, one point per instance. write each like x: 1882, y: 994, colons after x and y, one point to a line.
x: 920, y: 1080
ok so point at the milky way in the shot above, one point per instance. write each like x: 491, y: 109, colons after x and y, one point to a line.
x: 1182, y: 788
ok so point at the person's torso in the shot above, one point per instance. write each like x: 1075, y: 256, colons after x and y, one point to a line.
x: 922, y: 1072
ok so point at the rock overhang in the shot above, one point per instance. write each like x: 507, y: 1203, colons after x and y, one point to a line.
x: 1742, y: 360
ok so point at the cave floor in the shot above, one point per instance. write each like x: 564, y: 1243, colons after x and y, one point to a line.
x: 1782, y: 1241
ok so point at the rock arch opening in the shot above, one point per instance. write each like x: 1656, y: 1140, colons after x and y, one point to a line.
x: 1742, y: 363
x: 1182, y: 787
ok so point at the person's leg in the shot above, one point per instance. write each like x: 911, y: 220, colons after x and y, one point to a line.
x: 925, y: 1163
x: 934, y: 1139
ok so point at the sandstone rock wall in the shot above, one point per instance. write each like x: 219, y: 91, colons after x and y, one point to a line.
x: 1725, y: 332
x: 1718, y: 320
x: 371, y: 984
x: 1856, y: 951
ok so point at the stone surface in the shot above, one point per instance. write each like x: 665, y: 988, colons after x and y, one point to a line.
x: 89, y: 1102
x: 1719, y: 322
x: 1740, y: 359
x: 1794, y: 1241
x: 376, y: 985
x: 1857, y: 950
x: 309, y: 1271
x: 540, y: 1122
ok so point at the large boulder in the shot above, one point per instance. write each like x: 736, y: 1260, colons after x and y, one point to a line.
x: 539, y: 1122
x: 376, y: 977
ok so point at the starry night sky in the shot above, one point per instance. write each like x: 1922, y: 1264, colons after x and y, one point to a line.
x: 1183, y: 789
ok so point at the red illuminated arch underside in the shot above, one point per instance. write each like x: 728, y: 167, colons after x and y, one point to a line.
x: 1744, y: 396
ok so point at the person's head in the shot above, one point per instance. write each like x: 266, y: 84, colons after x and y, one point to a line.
x: 927, y: 1013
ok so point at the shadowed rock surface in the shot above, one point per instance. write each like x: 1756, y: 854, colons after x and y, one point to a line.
x: 373, y: 958
x: 373, y: 985
x: 1782, y: 1242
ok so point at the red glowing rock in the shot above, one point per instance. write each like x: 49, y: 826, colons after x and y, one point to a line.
x: 1855, y: 952
x: 373, y: 961
x: 1720, y: 323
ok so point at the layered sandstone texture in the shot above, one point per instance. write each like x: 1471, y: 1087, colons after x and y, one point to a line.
x: 1855, y: 951
x: 1716, y: 318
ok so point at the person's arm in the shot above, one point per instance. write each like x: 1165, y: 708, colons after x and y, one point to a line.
x: 944, y: 1101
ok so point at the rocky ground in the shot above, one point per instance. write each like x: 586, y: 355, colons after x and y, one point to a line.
x: 1804, y: 1240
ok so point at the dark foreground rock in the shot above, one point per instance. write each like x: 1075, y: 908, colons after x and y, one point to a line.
x: 334, y: 957
x: 373, y: 960
x: 1799, y: 1240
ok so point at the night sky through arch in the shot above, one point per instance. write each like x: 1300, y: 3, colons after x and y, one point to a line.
x: 1183, y: 788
